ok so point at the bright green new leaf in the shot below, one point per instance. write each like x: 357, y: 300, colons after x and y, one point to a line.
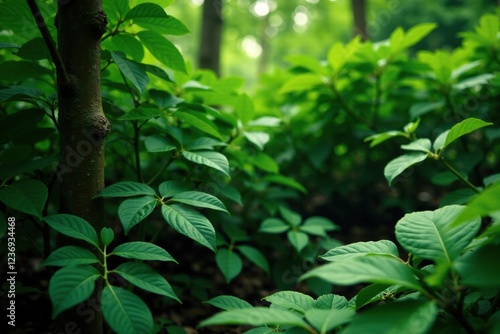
x: 292, y: 300
x: 26, y: 195
x: 129, y: 45
x: 357, y: 249
x: 70, y: 286
x: 265, y: 121
x: 478, y: 268
x: 429, y: 235
x: 318, y: 226
x: 229, y: 263
x: 199, y: 121
x: 292, y: 218
x: 301, y: 82
x: 258, y: 138
x: 141, y: 250
x: 409, y: 317
x: 440, y: 140
x: 464, y: 127
x: 172, y: 188
x: 305, y: 61
x: 143, y: 276
x: 124, y: 312
x: 70, y: 255
x: 163, y: 50
x: 299, y: 240
x: 487, y: 202
x: 339, y: 55
x: 107, y: 236
x: 382, y: 137
x: 127, y: 189
x: 255, y: 256
x: 367, y: 269
x: 273, y: 225
x: 257, y: 316
x: 417, y: 33
x: 120, y: 7
x: 199, y: 199
x: 158, y: 144
x: 73, y: 226
x: 229, y: 303
x: 134, y: 210
x: 131, y: 71
x: 244, y: 108
x: 152, y: 17
x: 489, y: 26
x: 326, y: 320
x: 213, y: 160
x: 401, y: 163
x: 190, y: 223
x: 331, y: 301
x: 421, y: 145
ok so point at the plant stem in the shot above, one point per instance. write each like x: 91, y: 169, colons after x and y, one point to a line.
x: 137, y: 152
x: 157, y: 175
x: 458, y: 175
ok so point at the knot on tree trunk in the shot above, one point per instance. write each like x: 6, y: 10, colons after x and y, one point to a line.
x: 97, y: 24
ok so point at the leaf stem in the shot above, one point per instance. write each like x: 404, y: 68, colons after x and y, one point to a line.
x: 458, y: 175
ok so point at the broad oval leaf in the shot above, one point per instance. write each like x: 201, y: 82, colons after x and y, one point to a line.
x: 301, y: 82
x: 172, y: 188
x: 401, y: 163
x: 318, y: 226
x: 367, y: 269
x: 70, y: 286
x: 124, y: 312
x: 143, y: 276
x: 258, y: 138
x: 142, y: 251
x: 464, y: 127
x: 163, y: 50
x: 70, y: 255
x: 255, y: 256
x: 361, y: 249
x: 158, y: 144
x: 131, y: 71
x: 200, y: 199
x: 73, y: 226
x: 129, y: 45
x: 273, y: 225
x: 229, y: 303
x: 191, y: 223
x: 298, y: 239
x: 152, y: 17
x: 199, y: 121
x: 409, y: 317
x: 257, y: 316
x: 127, y: 189
x: 26, y: 195
x: 107, y: 235
x: 331, y: 301
x: 429, y: 235
x: 229, y: 263
x: 292, y: 300
x: 213, y: 160
x: 422, y: 145
x: 134, y: 210
x: 326, y: 320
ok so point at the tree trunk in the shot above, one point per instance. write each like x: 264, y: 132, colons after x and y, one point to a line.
x: 211, y: 35
x: 83, y: 126
x: 359, y: 15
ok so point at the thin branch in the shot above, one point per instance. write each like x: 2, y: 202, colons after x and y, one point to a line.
x: 49, y: 41
x: 459, y: 176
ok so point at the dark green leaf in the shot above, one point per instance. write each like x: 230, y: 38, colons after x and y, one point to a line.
x: 229, y: 263
x: 131, y: 71
x: 228, y: 303
x: 34, y: 49
x: 213, y: 160
x: 292, y: 300
x: 73, y: 226
x: 200, y: 199
x: 26, y: 195
x: 132, y: 211
x: 142, y: 251
x: 163, y: 50
x: 127, y: 189
x: 129, y: 45
x: 107, y: 236
x: 70, y: 255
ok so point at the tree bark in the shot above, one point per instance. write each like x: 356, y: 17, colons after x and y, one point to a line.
x: 83, y: 126
x: 211, y: 36
x: 359, y: 16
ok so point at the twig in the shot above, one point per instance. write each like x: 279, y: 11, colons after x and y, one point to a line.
x: 49, y: 41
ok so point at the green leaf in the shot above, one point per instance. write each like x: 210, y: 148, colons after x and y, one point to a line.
x: 318, y: 226
x: 70, y: 255
x: 164, y: 99
x: 163, y: 50
x: 229, y: 303
x: 292, y: 300
x: 107, y: 236
x: 417, y: 33
x: 460, y: 196
x: 382, y: 137
x: 152, y: 17
x: 372, y: 293
x: 367, y: 269
x: 357, y: 249
x: 266, y: 163
x: 17, y: 93
x: 339, y: 55
x: 422, y: 145
x: 273, y: 225
x: 429, y: 235
x: 134, y: 210
x: 464, y: 127
x: 409, y: 317
x: 422, y: 108
x: 16, y: 71
x: 477, y: 269
x: 299, y: 240
x: 482, y: 205
x: 131, y: 71
x: 172, y: 188
x: 158, y: 144
x: 200, y: 199
x: 70, y: 286
x: 26, y: 195
x: 34, y: 49
x: 258, y: 138
x: 229, y: 263
x: 401, y: 163
x: 199, y: 121
x: 143, y: 276
x: 244, y: 108
x: 190, y: 223
x: 121, y: 7
x: 141, y: 250
x: 127, y: 189
x: 204, y: 143
x: 257, y: 316
x: 129, y: 45
x: 255, y: 256
x: 74, y: 227
x: 285, y: 181
x: 326, y: 320
x: 331, y: 301
x: 142, y: 113
x: 293, y: 218
x: 124, y: 312
x: 301, y: 82
x: 439, y: 141
x: 213, y: 160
